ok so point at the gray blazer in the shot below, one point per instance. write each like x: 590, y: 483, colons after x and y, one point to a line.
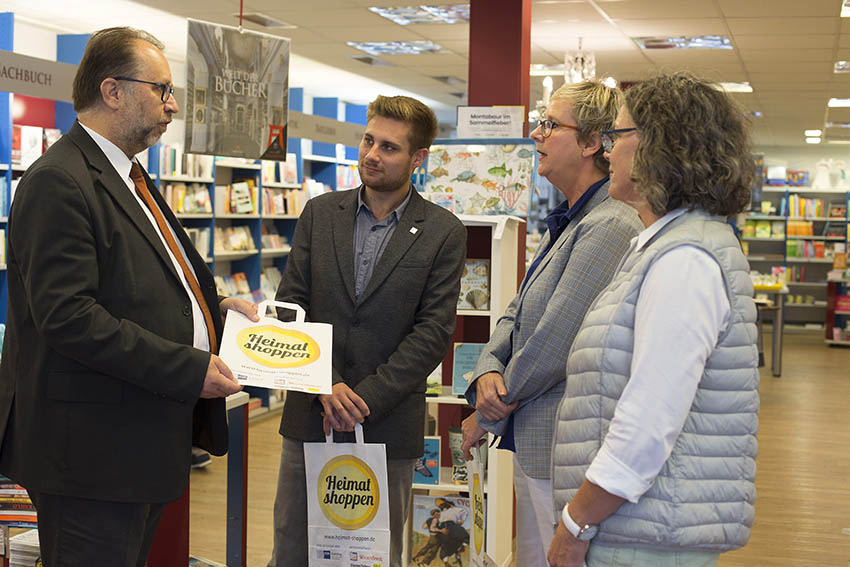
x: 385, y: 344
x: 530, y: 344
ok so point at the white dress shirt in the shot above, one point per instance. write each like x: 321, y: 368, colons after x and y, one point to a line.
x: 680, y: 313
x: 122, y: 165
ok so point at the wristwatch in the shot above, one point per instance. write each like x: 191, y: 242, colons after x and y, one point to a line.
x: 582, y: 533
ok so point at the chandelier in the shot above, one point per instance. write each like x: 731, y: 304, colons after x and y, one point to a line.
x: 579, y: 65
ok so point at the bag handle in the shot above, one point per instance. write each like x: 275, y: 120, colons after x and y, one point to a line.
x: 262, y: 308
x: 358, y: 435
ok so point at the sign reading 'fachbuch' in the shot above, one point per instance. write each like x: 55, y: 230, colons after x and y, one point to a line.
x: 237, y: 92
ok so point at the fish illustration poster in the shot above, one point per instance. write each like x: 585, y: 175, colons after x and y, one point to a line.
x: 481, y: 179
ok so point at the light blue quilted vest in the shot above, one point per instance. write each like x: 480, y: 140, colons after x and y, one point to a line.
x: 703, y: 497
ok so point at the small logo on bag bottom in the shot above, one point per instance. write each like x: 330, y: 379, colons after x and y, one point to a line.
x: 278, y: 348
x: 348, y: 492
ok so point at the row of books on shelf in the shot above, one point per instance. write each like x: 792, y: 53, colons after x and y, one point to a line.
x: 16, y: 508
x: 754, y: 228
x: 236, y: 285
x: 237, y: 198
x: 271, y: 238
x: 233, y: 239
x: 29, y: 142
x: 284, y: 201
x: 465, y: 357
x: 426, y: 470
x: 173, y: 162
x: 811, y: 248
x: 796, y: 206
x: 192, y: 198
x: 763, y: 229
x: 280, y: 171
x: 4, y: 195
x: 227, y: 239
x: 347, y: 177
x: 240, y: 197
x: 200, y: 238
x: 2, y: 246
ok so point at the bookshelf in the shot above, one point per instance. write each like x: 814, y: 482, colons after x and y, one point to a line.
x: 501, y: 239
x: 800, y: 239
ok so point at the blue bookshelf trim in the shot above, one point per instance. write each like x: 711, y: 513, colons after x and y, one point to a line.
x: 356, y: 114
x: 296, y: 102
x: 7, y: 36
x: 69, y: 49
x: 327, y: 107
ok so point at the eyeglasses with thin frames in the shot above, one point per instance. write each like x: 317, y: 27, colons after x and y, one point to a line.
x: 548, y: 125
x: 165, y: 89
x: 609, y: 137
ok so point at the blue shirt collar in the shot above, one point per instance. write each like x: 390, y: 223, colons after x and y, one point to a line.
x: 558, y: 219
x: 397, y: 212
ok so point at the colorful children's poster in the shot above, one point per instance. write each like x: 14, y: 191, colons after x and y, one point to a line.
x: 481, y: 178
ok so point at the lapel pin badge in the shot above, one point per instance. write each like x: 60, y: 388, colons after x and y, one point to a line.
x: 413, y: 230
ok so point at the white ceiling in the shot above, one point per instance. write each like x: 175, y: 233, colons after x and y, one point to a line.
x: 785, y: 48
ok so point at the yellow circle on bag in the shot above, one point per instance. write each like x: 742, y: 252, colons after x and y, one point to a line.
x: 477, y: 513
x: 348, y: 492
x: 278, y: 348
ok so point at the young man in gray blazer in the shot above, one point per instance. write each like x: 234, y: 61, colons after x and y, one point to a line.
x: 109, y: 369
x: 520, y: 374
x: 383, y: 266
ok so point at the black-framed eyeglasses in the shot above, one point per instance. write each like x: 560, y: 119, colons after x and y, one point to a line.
x: 548, y: 125
x: 609, y: 137
x: 165, y: 89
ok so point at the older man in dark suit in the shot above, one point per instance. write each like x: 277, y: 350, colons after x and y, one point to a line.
x: 382, y: 265
x: 108, y: 372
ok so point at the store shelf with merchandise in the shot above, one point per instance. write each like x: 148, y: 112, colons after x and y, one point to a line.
x: 797, y: 229
x: 499, y: 243
x: 837, y: 327
x: 333, y: 165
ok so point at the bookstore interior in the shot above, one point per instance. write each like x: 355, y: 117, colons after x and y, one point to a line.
x: 240, y: 213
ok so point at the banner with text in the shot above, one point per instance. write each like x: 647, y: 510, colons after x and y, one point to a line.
x: 237, y: 92
x: 490, y: 121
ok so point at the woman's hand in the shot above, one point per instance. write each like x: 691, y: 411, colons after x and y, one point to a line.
x: 566, y: 551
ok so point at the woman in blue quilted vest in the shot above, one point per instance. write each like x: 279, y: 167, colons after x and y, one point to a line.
x: 655, y: 442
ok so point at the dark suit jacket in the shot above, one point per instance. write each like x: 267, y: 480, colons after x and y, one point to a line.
x: 386, y: 344
x: 98, y: 379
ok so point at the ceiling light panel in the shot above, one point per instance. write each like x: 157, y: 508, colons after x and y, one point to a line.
x: 406, y: 15
x: 735, y: 87
x: 694, y: 42
x: 378, y: 48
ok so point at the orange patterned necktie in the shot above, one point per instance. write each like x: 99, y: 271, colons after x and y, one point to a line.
x: 145, y: 194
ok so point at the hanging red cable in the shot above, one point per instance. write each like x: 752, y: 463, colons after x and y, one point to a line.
x: 241, y: 5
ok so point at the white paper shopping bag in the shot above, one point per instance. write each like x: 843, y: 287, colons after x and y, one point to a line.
x: 272, y: 354
x: 475, y: 469
x: 348, y: 514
